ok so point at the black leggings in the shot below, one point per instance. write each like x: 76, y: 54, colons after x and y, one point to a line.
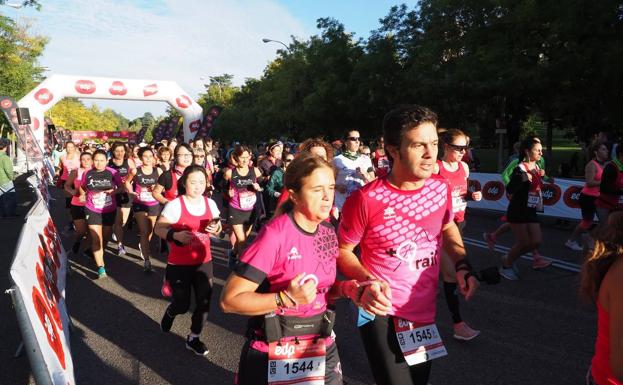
x: 385, y: 357
x: 184, y: 277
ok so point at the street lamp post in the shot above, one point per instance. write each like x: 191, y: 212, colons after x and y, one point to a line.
x: 265, y: 40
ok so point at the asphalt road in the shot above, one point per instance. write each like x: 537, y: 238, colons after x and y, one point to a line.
x: 534, y: 331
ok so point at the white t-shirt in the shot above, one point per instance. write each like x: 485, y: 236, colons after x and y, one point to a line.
x: 173, y: 210
x: 348, y: 176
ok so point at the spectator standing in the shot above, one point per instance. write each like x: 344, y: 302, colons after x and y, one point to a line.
x: 353, y: 170
x: 8, y: 197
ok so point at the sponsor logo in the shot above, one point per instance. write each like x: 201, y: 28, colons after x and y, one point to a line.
x: 551, y: 194
x: 150, y: 89
x: 294, y: 254
x: 183, y: 101
x: 407, y: 252
x: 86, y: 87
x: 44, y: 96
x: 284, y: 350
x: 493, y: 190
x: 117, y: 88
x: 6, y: 103
x: 194, y: 126
x: 473, y: 185
x: 389, y: 213
x: 571, y: 197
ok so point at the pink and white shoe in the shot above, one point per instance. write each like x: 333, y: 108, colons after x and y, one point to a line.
x: 463, y: 332
x: 539, y: 263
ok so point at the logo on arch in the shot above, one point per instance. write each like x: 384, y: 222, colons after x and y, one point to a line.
x: 6, y: 103
x: 194, y: 126
x: 473, y: 185
x: 150, y: 89
x: 86, y: 87
x: 493, y: 190
x: 44, y: 96
x: 551, y: 194
x: 117, y: 88
x: 183, y: 101
x: 571, y: 197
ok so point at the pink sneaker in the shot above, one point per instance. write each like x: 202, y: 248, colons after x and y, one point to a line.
x: 490, y: 239
x: 166, y: 289
x: 539, y: 263
x: 463, y: 332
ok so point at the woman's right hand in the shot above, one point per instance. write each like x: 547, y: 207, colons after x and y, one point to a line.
x: 183, y: 236
x: 303, y: 294
x: 230, y: 192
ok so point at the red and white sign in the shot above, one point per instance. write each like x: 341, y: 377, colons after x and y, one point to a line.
x: 150, y: 89
x: 560, y: 199
x: 85, y: 87
x: 44, y: 96
x: 6, y: 103
x: 117, y: 88
x: 183, y: 101
x: 194, y: 126
x: 38, y: 271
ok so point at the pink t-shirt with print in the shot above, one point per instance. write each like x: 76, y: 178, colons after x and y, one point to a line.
x: 282, y: 250
x: 400, y: 236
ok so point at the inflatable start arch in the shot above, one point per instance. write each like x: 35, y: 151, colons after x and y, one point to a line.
x: 56, y: 87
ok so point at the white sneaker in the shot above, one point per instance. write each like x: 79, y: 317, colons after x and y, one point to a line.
x: 121, y: 250
x: 573, y: 245
x: 114, y: 237
x: 509, y: 273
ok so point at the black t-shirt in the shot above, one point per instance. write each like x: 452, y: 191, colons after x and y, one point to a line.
x: 166, y: 180
x: 99, y: 180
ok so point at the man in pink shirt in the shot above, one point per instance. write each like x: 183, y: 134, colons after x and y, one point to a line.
x: 401, y: 222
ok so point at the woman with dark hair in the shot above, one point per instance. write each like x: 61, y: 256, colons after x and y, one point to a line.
x: 589, y: 194
x: 164, y: 158
x: 123, y: 165
x: 99, y: 185
x: 72, y: 186
x: 456, y: 172
x: 243, y: 188
x: 186, y: 223
x: 526, y: 200
x: 140, y: 183
x: 602, y: 283
x: 166, y: 188
x: 611, y: 188
x: 285, y: 281
x: 69, y: 162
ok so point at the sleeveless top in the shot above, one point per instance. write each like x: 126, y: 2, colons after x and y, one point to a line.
x: 381, y: 164
x: 197, y: 251
x: 458, y: 187
x: 594, y: 190
x: 69, y: 165
x: 610, y: 201
x: 123, y: 169
x: 143, y: 185
x: 601, y: 369
x: 171, y: 193
x: 245, y: 196
x: 75, y: 200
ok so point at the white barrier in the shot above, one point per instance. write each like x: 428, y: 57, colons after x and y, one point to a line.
x: 560, y: 199
x: 38, y: 272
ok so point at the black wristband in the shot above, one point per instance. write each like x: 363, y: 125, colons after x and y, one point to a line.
x: 170, y: 235
x: 462, y: 264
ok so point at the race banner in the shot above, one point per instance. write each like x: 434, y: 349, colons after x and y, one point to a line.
x: 38, y: 273
x: 560, y: 199
x: 208, y: 121
x: 81, y: 136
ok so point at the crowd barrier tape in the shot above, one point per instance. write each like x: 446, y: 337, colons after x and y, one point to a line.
x: 38, y: 274
x: 560, y: 199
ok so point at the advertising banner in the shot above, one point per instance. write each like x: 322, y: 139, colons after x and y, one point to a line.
x: 560, y: 199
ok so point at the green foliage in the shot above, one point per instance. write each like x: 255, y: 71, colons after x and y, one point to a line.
x: 72, y: 114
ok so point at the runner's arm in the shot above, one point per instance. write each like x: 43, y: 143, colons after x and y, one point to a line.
x: 589, y: 175
x: 69, y: 183
x: 128, y: 182
x: 455, y: 249
x: 615, y: 302
x: 157, y: 194
x: 349, y: 265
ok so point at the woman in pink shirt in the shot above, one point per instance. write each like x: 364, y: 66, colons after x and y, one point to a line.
x: 286, y: 279
x: 72, y: 187
x: 602, y: 282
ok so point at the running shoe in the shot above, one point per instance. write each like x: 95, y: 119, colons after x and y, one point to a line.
x: 196, y: 346
x: 509, y: 273
x: 147, y: 267
x: 114, y: 237
x: 140, y: 251
x: 463, y: 332
x: 167, y: 321
x: 490, y: 239
x: 101, y: 272
x: 121, y: 250
x: 166, y: 289
x: 539, y: 263
x: 573, y: 245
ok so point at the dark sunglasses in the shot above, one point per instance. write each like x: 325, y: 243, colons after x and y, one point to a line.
x: 353, y: 138
x: 458, y: 148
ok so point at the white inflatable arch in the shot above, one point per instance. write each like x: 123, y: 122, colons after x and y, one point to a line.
x: 56, y: 87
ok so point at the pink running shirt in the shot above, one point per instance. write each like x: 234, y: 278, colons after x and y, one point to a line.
x: 400, y: 237
x: 282, y: 250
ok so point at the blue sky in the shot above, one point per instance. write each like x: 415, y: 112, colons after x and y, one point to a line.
x: 181, y: 40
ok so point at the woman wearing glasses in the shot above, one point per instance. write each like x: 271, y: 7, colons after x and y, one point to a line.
x: 451, y: 167
x: 353, y: 169
x: 166, y: 188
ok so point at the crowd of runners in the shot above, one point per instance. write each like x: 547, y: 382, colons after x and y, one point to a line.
x: 387, y: 218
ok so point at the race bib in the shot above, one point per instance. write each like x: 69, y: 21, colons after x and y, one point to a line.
x: 247, y: 200
x: 535, y: 200
x: 458, y: 204
x: 300, y: 362
x: 418, y: 343
x: 145, y: 196
x: 101, y: 200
